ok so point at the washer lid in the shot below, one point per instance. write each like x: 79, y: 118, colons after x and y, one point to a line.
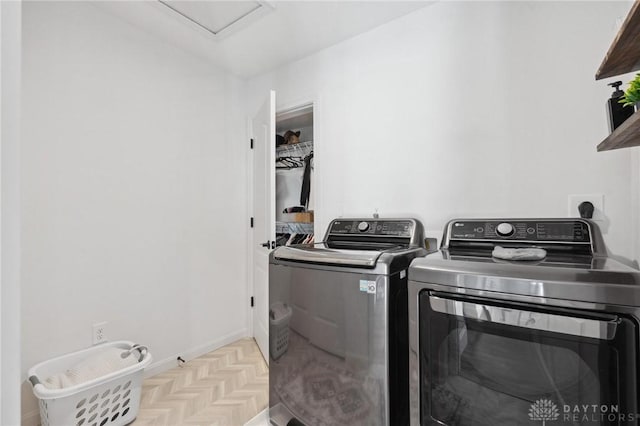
x: 322, y: 255
x: 361, y: 243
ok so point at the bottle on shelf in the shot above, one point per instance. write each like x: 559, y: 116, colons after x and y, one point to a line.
x: 618, y: 113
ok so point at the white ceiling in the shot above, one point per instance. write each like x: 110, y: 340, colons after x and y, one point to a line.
x: 288, y: 31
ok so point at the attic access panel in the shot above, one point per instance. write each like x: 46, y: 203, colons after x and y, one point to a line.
x: 218, y: 18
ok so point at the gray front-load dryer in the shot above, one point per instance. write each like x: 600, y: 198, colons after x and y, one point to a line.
x: 497, y: 341
x: 339, y: 326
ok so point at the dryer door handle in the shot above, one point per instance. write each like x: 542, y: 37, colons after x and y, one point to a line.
x: 543, y: 321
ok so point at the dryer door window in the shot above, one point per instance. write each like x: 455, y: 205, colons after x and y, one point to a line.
x: 488, y: 363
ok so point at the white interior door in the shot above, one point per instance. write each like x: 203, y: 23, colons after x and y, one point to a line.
x: 264, y: 226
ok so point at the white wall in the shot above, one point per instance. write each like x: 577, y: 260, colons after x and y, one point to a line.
x: 133, y: 189
x: 466, y: 109
x: 10, y: 23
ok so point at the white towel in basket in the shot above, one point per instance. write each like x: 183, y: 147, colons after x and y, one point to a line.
x: 107, y: 361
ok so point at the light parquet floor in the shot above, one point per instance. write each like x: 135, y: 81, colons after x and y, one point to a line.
x: 226, y: 387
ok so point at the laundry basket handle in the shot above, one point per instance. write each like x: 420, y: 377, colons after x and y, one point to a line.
x: 142, y: 350
x: 34, y: 381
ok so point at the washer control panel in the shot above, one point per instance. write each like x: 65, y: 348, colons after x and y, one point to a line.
x: 374, y: 227
x: 521, y: 230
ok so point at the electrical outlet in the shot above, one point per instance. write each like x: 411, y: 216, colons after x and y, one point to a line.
x: 596, y: 199
x: 99, y: 332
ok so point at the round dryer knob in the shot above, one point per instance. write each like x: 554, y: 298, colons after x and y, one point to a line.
x: 505, y: 229
x: 363, y: 226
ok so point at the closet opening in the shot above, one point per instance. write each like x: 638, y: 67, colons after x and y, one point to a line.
x: 295, y: 198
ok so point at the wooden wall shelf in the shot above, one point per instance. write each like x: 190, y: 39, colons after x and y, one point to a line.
x: 624, y: 54
x: 625, y: 136
x: 623, y: 57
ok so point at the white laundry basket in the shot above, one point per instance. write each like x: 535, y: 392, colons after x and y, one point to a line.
x: 112, y: 399
x: 279, y: 316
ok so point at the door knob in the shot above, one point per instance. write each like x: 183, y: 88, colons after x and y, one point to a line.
x: 268, y: 244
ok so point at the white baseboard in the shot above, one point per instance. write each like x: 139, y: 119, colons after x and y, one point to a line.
x: 170, y: 362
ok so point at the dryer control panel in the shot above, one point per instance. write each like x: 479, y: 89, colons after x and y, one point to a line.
x: 548, y: 231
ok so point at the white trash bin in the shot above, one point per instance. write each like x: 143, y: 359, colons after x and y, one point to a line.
x: 112, y: 399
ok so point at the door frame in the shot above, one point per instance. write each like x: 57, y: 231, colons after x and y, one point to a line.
x: 314, y: 102
x: 250, y: 236
x: 281, y: 107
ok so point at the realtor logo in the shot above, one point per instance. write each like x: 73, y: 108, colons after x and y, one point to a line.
x: 543, y: 410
